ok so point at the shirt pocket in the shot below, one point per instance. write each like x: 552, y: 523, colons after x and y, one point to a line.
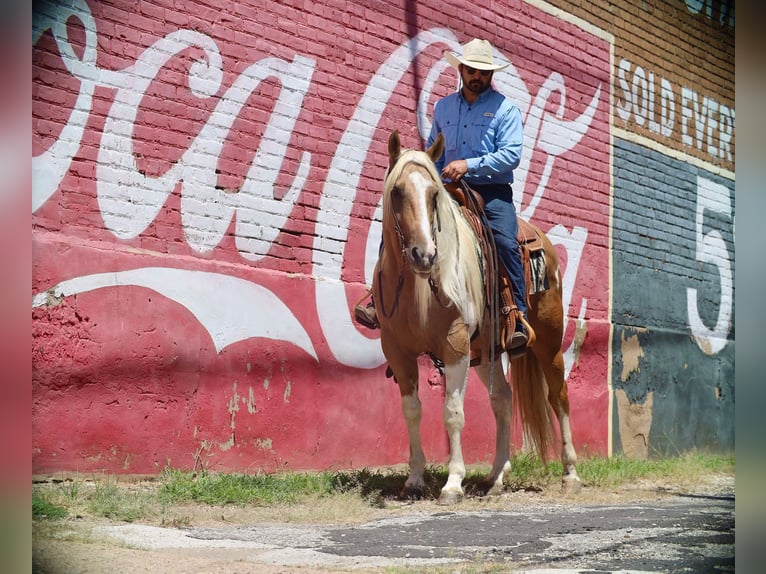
x: 450, y: 131
x: 482, y: 135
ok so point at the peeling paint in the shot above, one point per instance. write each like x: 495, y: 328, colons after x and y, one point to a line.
x: 251, y: 408
x: 52, y: 299
x: 286, y: 396
x: 224, y: 446
x: 635, y: 422
x: 234, y: 405
x: 263, y: 443
x: 705, y: 345
x: 581, y: 330
x: 631, y: 353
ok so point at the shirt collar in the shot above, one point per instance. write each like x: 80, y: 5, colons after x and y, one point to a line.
x: 482, y: 96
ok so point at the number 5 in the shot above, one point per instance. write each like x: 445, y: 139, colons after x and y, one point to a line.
x: 711, y: 248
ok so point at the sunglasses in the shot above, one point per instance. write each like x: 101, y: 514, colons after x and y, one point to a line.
x: 471, y: 71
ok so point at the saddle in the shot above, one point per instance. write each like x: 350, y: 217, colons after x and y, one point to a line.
x: 502, y: 304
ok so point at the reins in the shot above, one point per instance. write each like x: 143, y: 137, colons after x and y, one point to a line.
x: 400, y: 281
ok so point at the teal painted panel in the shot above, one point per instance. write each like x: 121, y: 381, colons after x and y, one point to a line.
x: 673, y: 305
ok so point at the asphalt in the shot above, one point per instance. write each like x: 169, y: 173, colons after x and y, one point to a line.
x: 682, y: 533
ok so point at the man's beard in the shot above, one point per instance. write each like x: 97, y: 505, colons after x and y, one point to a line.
x: 477, y: 86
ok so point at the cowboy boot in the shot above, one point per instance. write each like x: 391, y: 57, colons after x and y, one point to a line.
x: 518, y: 334
x: 523, y: 337
x: 517, y: 345
x: 366, y: 315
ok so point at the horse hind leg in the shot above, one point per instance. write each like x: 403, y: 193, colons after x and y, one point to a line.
x: 500, y: 400
x: 559, y: 401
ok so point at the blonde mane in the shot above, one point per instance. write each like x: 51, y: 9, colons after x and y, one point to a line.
x: 458, y: 269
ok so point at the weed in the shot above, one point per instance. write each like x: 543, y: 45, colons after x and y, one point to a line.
x: 70, y: 488
x: 43, y: 509
x: 111, y: 501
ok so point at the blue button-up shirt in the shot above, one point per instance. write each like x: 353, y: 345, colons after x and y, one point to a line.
x: 487, y: 134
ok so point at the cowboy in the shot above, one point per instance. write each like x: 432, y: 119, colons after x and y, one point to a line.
x: 483, y: 136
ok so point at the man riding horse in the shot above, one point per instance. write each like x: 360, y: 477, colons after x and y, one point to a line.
x: 483, y: 135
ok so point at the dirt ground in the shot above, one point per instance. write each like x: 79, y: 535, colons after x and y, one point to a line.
x: 80, y: 544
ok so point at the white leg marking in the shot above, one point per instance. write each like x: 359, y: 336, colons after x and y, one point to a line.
x: 454, y: 421
x: 412, y: 410
x: 568, y: 455
x: 501, y: 408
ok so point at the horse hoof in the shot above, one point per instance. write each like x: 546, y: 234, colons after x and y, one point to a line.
x: 450, y: 497
x: 411, y: 493
x: 489, y: 488
x: 495, y: 490
x: 571, y: 485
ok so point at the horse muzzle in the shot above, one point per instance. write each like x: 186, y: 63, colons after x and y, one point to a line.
x: 422, y: 260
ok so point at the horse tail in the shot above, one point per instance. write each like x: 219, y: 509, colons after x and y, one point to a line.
x: 530, y: 398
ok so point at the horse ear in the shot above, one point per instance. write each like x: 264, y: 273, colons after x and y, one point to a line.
x: 394, y: 148
x: 437, y: 148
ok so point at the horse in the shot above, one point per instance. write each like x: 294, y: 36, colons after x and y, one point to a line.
x: 429, y: 292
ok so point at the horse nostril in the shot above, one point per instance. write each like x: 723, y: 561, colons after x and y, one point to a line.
x: 423, y: 258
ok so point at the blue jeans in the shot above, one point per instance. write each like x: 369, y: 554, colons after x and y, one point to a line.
x: 501, y: 215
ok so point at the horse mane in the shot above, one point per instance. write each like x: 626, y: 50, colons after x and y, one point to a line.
x: 458, y: 269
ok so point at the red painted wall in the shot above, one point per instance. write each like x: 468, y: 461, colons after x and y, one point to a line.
x: 205, y: 193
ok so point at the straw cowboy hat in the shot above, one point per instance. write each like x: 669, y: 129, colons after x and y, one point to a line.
x: 477, y: 54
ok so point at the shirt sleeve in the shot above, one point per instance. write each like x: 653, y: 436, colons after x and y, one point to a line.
x: 508, y: 147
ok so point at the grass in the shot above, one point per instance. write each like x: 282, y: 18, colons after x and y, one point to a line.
x: 108, y: 500
x: 602, y: 472
x: 260, y: 489
x: 336, y: 492
x: 44, y: 509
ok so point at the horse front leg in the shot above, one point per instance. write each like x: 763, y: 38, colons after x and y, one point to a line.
x: 500, y: 400
x: 406, y: 375
x: 454, y: 421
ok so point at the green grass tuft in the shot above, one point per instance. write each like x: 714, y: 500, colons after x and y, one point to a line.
x: 259, y: 489
x: 110, y: 501
x: 43, y: 509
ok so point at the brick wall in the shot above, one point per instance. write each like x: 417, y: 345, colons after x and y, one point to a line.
x: 206, y: 188
x: 673, y: 223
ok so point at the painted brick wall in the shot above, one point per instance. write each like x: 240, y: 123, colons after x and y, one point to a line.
x: 673, y: 223
x: 206, y: 188
x: 674, y: 72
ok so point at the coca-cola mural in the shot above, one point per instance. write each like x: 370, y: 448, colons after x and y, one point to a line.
x: 206, y: 212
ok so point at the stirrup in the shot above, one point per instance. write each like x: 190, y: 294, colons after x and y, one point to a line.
x: 522, y: 339
x: 366, y: 315
x: 519, y: 344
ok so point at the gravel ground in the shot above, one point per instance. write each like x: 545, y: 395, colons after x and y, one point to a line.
x: 645, y: 527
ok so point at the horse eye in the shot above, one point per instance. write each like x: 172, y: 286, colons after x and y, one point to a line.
x: 396, y: 191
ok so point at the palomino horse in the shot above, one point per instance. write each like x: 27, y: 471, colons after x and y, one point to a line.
x: 430, y: 298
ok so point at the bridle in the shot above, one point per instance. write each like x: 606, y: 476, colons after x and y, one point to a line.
x: 436, y: 226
